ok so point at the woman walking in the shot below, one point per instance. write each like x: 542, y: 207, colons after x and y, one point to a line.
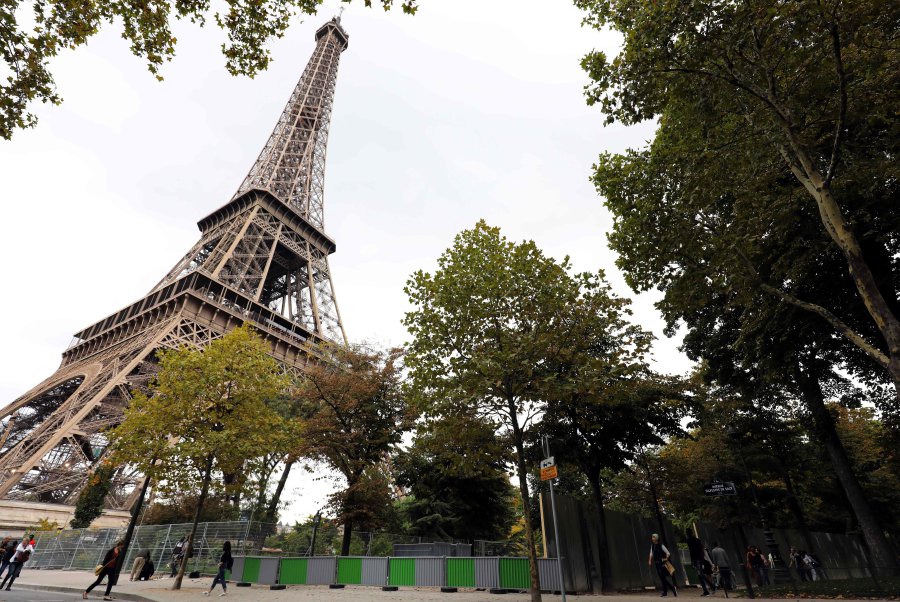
x: 659, y: 556
x: 108, y: 570
x: 226, y: 562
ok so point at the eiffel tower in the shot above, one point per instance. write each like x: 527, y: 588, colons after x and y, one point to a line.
x: 262, y: 258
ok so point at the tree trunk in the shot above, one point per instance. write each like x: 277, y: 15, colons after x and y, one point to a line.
x: 883, y: 559
x: 794, y: 505
x: 606, y: 583
x: 189, y: 545
x: 345, y: 542
x: 522, y: 470
x: 272, y: 510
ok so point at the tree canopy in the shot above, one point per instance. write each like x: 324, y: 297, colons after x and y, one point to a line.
x: 206, y: 416
x: 355, y: 414
x: 32, y: 34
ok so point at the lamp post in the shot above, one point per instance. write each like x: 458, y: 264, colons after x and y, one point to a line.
x: 312, y: 544
x: 779, y: 571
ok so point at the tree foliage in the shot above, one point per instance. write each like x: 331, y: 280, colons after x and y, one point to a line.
x: 488, y: 328
x: 455, y: 477
x: 92, y: 498
x: 32, y: 34
x: 207, y: 415
x: 763, y: 207
x: 773, y: 166
x: 355, y: 415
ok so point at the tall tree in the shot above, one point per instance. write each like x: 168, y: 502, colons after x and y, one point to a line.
x: 486, y: 327
x: 31, y: 34
x: 206, y: 415
x: 355, y: 416
x: 715, y: 212
x: 455, y: 475
x: 784, y: 113
x: 603, y: 404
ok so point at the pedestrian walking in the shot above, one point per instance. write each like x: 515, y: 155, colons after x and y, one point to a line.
x: 20, y: 556
x: 659, y: 557
x: 138, y: 564
x: 723, y: 566
x: 177, y: 555
x: 7, y: 549
x: 764, y: 565
x: 226, y: 562
x: 699, y: 560
x: 108, y: 570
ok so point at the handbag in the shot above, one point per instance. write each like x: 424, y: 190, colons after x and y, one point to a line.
x: 669, y: 567
x: 98, y: 569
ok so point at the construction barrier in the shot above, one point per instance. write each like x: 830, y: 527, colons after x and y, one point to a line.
x: 488, y: 573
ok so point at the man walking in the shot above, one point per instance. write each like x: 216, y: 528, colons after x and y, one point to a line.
x: 698, y: 559
x: 20, y: 557
x: 719, y: 558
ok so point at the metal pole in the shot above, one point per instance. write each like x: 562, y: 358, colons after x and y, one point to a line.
x: 562, y: 584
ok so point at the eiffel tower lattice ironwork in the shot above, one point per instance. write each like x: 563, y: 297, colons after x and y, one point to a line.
x: 262, y: 258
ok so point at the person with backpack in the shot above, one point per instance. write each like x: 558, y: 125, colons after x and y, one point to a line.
x: 108, y: 569
x: 226, y: 562
x: 177, y: 555
x: 21, y: 555
x: 699, y: 559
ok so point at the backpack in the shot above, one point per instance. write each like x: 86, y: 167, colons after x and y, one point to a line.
x: 23, y: 557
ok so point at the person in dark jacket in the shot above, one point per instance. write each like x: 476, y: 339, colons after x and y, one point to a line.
x: 20, y: 556
x: 659, y: 554
x: 226, y: 562
x: 148, y: 571
x: 6, y: 553
x: 699, y: 559
x: 109, y: 570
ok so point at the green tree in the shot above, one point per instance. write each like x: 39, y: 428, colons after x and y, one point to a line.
x: 31, y: 34
x: 206, y: 416
x: 455, y: 476
x: 783, y: 114
x: 354, y: 416
x: 486, y: 328
x: 718, y: 211
x: 91, y: 500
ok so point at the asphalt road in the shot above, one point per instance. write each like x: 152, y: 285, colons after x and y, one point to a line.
x: 26, y: 595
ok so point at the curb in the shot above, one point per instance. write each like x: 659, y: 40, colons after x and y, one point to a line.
x: 75, y: 590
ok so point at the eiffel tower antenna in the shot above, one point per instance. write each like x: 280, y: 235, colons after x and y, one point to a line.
x: 261, y: 258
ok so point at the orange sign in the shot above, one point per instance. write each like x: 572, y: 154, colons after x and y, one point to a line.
x: 549, y: 472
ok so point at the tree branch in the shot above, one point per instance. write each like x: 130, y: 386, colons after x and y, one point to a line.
x: 841, y: 124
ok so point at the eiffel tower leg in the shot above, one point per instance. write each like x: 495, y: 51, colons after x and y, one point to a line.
x: 46, y: 463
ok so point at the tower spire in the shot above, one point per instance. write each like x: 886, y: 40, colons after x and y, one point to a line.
x: 291, y: 165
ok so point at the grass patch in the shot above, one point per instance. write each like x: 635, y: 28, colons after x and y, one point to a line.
x: 886, y: 589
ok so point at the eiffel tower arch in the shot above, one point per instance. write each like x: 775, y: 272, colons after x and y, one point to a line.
x: 262, y: 258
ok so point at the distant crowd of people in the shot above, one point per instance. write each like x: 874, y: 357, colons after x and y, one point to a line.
x: 715, y: 570
x: 15, y: 553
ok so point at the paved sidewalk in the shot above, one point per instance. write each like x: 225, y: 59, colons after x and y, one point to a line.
x: 159, y: 590
x: 192, y: 589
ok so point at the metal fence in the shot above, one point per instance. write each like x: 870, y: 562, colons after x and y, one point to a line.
x: 84, y: 548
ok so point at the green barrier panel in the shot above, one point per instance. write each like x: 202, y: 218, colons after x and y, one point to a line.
x: 227, y: 575
x: 461, y: 572
x: 402, y: 571
x: 514, y: 573
x: 251, y: 570
x: 292, y: 571
x: 349, y: 571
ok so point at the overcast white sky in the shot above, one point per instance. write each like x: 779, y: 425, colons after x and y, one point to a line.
x: 471, y: 109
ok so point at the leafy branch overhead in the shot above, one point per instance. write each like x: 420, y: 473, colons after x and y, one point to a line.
x: 26, y: 49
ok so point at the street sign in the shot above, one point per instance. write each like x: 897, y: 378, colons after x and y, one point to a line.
x: 717, y: 488
x: 548, y: 469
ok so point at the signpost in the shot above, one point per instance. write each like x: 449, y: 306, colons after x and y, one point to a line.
x: 717, y: 488
x: 548, y: 473
x: 548, y: 470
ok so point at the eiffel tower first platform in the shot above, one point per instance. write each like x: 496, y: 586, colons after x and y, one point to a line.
x: 262, y: 258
